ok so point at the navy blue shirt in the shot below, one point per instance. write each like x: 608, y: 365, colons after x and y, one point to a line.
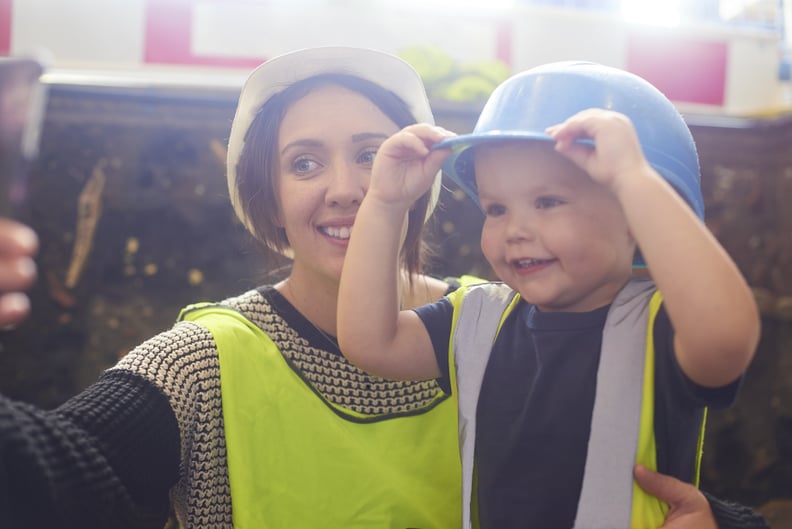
x: 535, y: 407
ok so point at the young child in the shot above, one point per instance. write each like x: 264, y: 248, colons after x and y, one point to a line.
x: 571, y: 371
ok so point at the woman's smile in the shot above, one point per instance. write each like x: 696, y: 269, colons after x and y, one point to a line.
x: 336, y: 232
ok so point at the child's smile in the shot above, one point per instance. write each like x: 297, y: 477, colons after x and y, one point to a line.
x: 530, y: 266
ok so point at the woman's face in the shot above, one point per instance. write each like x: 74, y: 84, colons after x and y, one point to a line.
x: 326, y: 147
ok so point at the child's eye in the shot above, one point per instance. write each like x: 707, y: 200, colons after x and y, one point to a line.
x: 367, y: 157
x: 548, y: 202
x: 304, y: 165
x: 494, y: 210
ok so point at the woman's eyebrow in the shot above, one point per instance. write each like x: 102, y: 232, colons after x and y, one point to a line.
x: 364, y: 136
x: 301, y: 143
x: 356, y: 138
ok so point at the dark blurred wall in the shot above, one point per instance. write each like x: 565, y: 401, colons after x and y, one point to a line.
x: 747, y: 185
x: 145, y: 168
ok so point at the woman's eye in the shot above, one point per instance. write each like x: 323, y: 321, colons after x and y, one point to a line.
x: 367, y: 157
x: 548, y: 202
x: 304, y: 165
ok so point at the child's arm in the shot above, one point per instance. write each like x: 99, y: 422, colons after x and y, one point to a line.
x: 711, y: 307
x: 372, y: 332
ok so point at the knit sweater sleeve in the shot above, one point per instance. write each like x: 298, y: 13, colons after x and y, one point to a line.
x: 105, y: 458
x: 730, y: 515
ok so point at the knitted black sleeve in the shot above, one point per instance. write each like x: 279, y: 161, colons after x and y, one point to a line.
x: 730, y: 515
x: 105, y: 458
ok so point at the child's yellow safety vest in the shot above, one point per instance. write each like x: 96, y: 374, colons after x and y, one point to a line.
x: 622, y: 426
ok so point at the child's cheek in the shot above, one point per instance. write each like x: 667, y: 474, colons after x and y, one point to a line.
x: 491, y: 245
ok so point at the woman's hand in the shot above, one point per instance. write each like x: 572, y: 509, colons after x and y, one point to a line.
x: 18, y: 245
x: 689, y: 509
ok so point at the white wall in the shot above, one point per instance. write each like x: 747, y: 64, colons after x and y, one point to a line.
x: 221, y: 39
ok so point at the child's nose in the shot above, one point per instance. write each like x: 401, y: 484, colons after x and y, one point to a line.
x: 520, y: 227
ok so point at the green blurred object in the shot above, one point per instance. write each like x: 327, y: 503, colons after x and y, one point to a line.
x: 447, y: 80
x: 433, y: 64
x: 494, y: 71
x: 467, y: 88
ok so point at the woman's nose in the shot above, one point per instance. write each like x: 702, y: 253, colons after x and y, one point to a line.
x: 347, y: 186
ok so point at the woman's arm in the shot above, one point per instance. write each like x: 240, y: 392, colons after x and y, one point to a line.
x: 108, y: 457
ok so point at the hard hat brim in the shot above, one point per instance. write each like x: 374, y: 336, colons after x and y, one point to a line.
x: 458, y: 166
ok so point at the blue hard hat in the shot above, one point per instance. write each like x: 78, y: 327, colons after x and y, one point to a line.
x: 523, y: 106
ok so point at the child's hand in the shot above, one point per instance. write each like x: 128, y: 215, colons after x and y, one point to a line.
x: 616, y: 154
x: 405, y: 166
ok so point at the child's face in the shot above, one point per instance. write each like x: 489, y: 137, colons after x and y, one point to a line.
x: 551, y: 233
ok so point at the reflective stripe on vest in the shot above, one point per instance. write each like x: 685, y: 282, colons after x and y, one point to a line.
x: 479, y: 312
x: 624, y: 401
x: 297, y: 460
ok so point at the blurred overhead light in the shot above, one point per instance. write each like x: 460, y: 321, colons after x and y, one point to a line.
x: 654, y: 12
x: 460, y: 5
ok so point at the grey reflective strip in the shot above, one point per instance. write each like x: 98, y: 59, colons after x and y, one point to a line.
x: 477, y: 325
x: 606, y: 496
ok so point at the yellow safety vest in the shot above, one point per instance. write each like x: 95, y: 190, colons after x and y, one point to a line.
x: 624, y: 402
x: 296, y: 460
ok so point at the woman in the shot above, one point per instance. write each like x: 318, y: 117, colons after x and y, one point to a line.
x: 245, y: 413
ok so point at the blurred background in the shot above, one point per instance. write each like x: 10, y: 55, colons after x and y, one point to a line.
x: 129, y: 198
